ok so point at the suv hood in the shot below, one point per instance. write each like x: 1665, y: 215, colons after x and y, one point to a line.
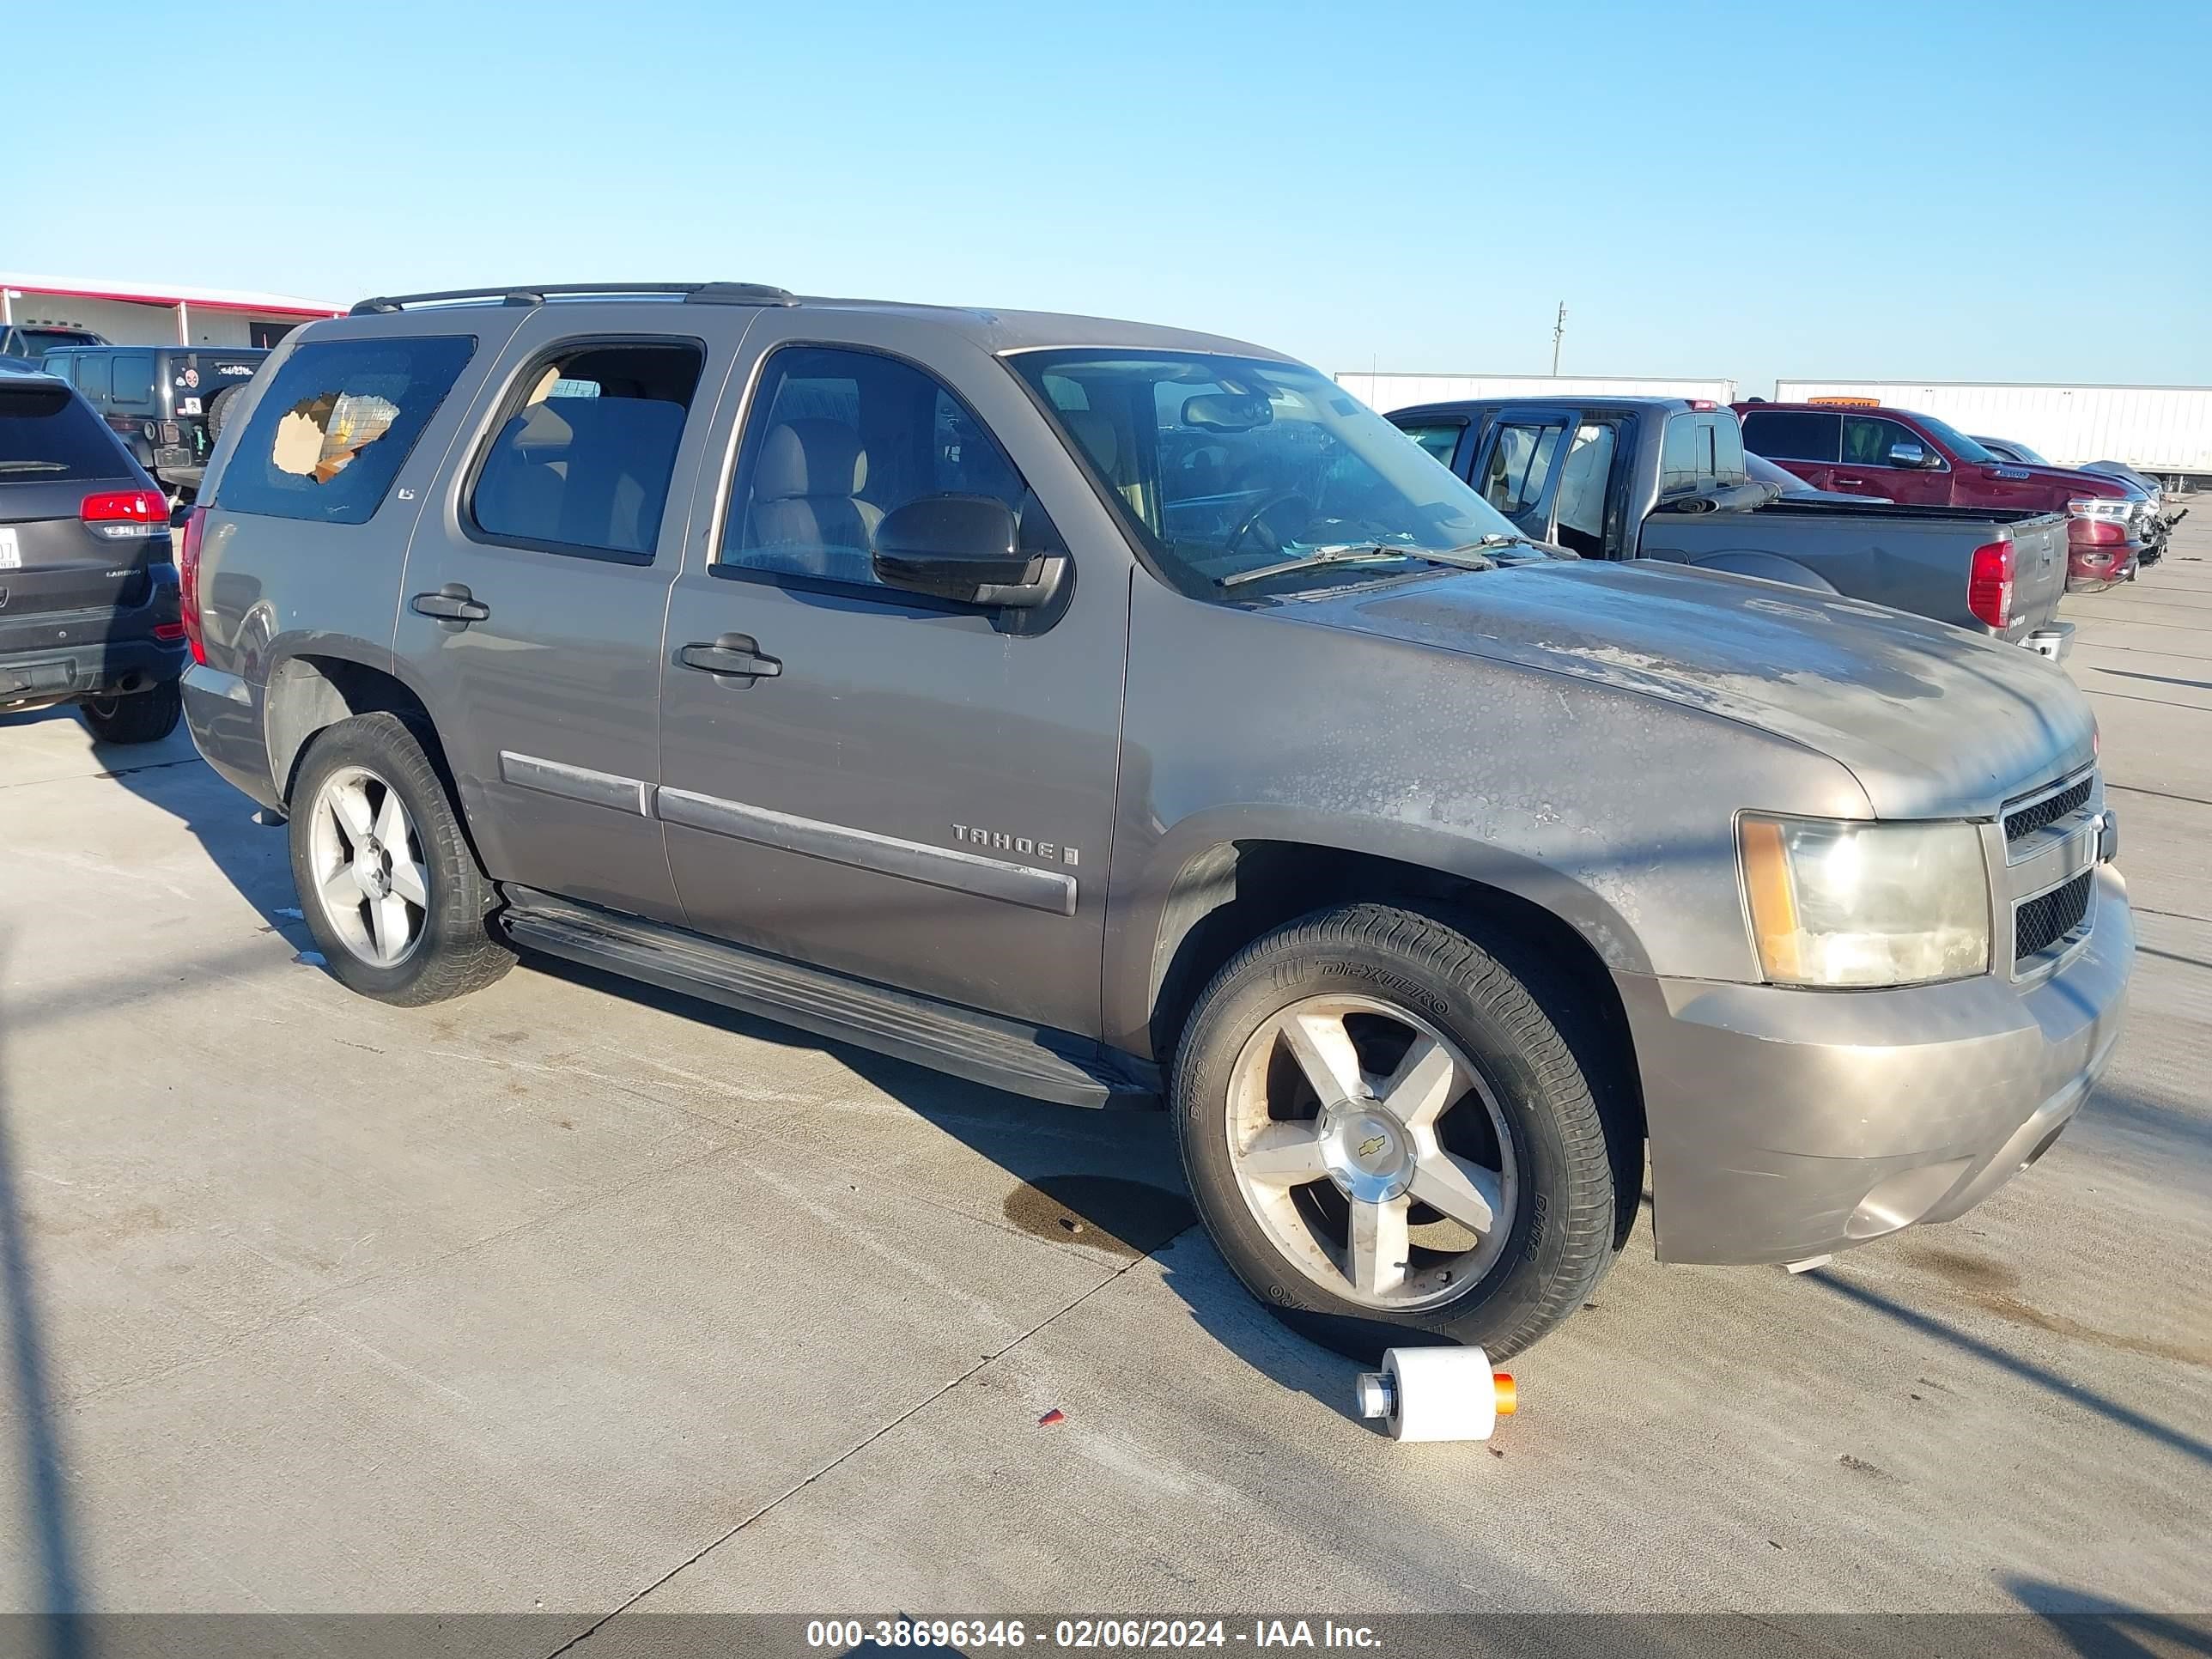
x: 1932, y: 720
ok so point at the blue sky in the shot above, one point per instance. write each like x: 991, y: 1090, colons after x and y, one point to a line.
x: 2020, y: 192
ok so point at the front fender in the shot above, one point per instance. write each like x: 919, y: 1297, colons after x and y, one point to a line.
x: 1608, y: 809
x: 1158, y: 885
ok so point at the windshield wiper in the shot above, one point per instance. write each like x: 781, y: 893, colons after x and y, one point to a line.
x: 33, y: 466
x: 1504, y: 539
x: 1468, y: 557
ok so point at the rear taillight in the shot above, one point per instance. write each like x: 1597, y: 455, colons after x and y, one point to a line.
x: 188, y: 581
x: 123, y: 515
x: 1989, y: 585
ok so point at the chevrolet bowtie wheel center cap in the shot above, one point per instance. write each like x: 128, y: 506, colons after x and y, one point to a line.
x: 1367, y: 1152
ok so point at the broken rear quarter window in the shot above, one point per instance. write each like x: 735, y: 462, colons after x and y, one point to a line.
x: 337, y: 422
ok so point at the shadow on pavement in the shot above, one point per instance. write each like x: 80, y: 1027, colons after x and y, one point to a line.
x: 2137, y: 1112
x: 54, y: 1591
x: 1110, y: 1183
x: 169, y: 775
x: 1107, y: 1181
x: 2027, y: 1370
x: 2094, y: 1627
x: 2171, y: 956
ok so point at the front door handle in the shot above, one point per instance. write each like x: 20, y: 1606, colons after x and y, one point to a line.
x: 1848, y: 484
x: 452, y: 603
x: 733, y: 656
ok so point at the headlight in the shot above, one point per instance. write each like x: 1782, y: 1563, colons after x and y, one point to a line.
x: 2098, y: 521
x: 1840, y: 903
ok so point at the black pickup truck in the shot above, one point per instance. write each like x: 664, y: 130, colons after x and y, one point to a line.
x: 1667, y: 478
x: 168, y: 403
x: 23, y: 344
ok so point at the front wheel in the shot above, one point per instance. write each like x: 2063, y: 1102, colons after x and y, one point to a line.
x: 138, y: 717
x: 1390, y: 1138
x: 388, y: 883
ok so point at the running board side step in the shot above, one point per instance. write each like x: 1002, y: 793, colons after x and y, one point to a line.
x: 940, y: 1036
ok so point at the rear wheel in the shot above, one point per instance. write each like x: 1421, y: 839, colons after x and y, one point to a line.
x: 138, y: 717
x: 1392, y: 1138
x: 387, y: 881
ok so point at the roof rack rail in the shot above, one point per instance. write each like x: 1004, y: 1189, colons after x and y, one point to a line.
x: 725, y: 294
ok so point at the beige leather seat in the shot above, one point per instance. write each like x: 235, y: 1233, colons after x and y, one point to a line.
x: 806, y: 504
x: 1095, y: 432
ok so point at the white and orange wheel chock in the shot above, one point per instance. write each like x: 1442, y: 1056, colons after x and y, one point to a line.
x: 1436, y: 1393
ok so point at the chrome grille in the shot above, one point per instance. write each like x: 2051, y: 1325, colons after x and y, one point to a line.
x: 2041, y: 922
x: 2025, y: 821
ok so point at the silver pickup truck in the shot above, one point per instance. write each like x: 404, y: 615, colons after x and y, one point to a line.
x: 1667, y: 478
x: 1114, y: 713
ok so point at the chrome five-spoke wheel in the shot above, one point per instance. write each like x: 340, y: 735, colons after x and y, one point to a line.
x: 1371, y: 1152
x: 369, y: 873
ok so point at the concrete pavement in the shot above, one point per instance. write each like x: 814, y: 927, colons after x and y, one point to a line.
x: 574, y: 1298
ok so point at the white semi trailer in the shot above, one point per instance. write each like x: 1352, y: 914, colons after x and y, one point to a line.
x: 2163, y: 431
x: 1383, y: 392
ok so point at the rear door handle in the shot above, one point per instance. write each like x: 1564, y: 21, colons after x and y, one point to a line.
x: 733, y: 656
x: 452, y: 603
x: 1849, y: 483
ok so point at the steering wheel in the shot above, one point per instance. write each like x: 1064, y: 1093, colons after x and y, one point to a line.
x: 1252, y: 519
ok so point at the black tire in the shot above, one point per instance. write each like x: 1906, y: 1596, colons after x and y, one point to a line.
x: 1544, y: 1059
x: 136, y: 717
x: 456, y: 952
x: 218, y: 412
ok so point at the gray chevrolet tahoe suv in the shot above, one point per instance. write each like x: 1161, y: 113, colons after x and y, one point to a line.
x: 1108, y: 713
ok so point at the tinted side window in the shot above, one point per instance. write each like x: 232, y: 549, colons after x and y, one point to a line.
x: 1728, y: 449
x: 134, y: 377
x: 1791, y: 434
x: 1867, y: 440
x: 94, y: 377
x: 60, y: 365
x: 333, y: 429
x: 584, y: 461
x: 834, y: 439
x: 1440, y: 440
x: 1519, y: 465
x: 1686, y: 453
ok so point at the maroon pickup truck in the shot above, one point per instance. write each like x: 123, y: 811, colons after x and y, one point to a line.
x: 1870, y: 450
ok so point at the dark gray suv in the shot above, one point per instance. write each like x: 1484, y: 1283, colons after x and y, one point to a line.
x: 1107, y: 712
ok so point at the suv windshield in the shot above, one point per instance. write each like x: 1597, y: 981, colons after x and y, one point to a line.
x: 1957, y: 441
x: 1226, y: 465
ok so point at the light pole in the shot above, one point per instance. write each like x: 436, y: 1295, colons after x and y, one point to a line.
x: 1559, y: 329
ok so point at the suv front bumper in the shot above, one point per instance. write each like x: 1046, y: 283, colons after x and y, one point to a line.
x: 1787, y: 1124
